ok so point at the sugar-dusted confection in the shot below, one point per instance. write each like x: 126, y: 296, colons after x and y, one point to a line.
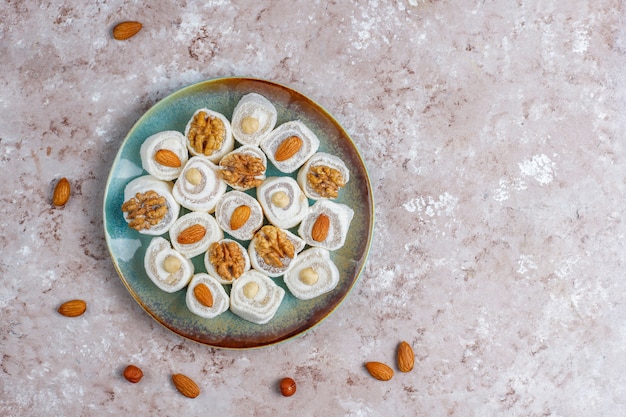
x: 226, y: 260
x: 164, y: 154
x: 255, y: 297
x: 283, y: 202
x: 254, y: 117
x: 149, y: 206
x: 239, y: 214
x: 199, y: 186
x: 209, y: 134
x: 312, y: 274
x: 290, y: 145
x: 326, y: 225
x: 323, y: 176
x: 193, y: 233
x: 273, y: 250
x: 243, y: 168
x: 166, y: 267
x: 206, y: 297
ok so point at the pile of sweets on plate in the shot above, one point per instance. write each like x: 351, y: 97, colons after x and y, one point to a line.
x: 244, y: 241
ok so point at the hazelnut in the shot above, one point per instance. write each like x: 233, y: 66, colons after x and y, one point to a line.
x: 309, y: 276
x: 280, y: 199
x: 133, y: 374
x: 249, y: 125
x: 251, y: 289
x: 194, y: 176
x: 171, y: 264
x: 287, y: 387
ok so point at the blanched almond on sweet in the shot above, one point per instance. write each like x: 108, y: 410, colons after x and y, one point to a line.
x: 61, y: 192
x: 72, y: 308
x: 185, y: 385
x: 126, y: 30
x: 167, y: 158
x: 288, y: 148
x: 405, y: 357
x: 379, y: 371
x: 192, y: 234
x: 320, y: 228
x: 239, y: 217
x: 203, y: 295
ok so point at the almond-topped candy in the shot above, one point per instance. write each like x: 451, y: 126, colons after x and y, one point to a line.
x: 290, y: 145
x: 240, y: 216
x: 167, y: 158
x: 192, y: 234
x: 320, y: 228
x: 288, y: 148
x: 203, y: 294
x: 206, y: 297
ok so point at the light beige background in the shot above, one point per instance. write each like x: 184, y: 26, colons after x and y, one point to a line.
x: 494, y: 135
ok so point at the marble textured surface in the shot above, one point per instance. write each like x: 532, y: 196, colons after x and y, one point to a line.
x: 495, y: 138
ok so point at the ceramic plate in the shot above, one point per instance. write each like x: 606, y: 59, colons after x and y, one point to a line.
x: 127, y: 247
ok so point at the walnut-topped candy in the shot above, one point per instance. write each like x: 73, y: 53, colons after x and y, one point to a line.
x: 145, y: 210
x: 243, y: 168
x: 206, y: 133
x: 227, y: 259
x: 326, y: 181
x: 272, y: 244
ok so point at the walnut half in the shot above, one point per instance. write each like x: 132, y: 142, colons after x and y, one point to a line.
x: 227, y: 259
x: 326, y: 181
x: 242, y: 170
x: 273, y: 245
x: 145, y: 210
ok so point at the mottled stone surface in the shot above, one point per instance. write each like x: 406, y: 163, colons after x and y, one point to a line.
x: 494, y: 135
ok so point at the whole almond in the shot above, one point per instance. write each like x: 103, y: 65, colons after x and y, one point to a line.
x: 126, y: 30
x: 61, y: 192
x: 167, y: 158
x: 185, y: 385
x: 133, y: 374
x: 288, y: 148
x: 379, y: 371
x: 320, y: 228
x: 239, y: 217
x: 405, y: 357
x: 203, y: 294
x: 72, y: 308
x: 192, y: 234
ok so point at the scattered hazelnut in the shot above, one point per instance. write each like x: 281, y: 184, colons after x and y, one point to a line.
x: 171, y: 264
x: 249, y: 125
x: 287, y: 387
x: 133, y: 374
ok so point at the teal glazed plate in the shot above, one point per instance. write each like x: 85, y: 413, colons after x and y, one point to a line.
x: 127, y: 247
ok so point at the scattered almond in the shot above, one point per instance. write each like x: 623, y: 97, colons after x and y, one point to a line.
x: 320, y: 228
x: 192, y: 234
x: 203, y: 295
x: 288, y: 148
x: 72, y: 308
x: 405, y: 357
x: 239, y: 217
x: 167, y: 158
x: 185, y: 385
x: 379, y: 370
x: 133, y: 374
x: 126, y: 30
x: 61, y: 192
